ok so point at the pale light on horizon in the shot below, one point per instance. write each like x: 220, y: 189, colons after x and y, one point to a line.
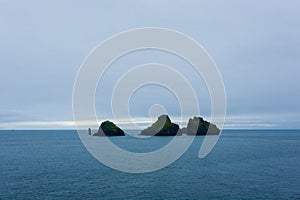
x: 232, y: 122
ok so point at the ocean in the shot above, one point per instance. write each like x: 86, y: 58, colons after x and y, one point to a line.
x: 244, y: 164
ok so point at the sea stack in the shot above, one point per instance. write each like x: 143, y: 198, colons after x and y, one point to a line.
x: 162, y: 127
x: 198, y: 126
x: 108, y: 128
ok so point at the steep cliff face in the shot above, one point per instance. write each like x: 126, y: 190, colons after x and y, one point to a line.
x: 162, y: 127
x: 108, y: 128
x: 198, y: 126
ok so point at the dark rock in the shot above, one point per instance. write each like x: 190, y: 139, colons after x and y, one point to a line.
x: 90, y: 131
x: 183, y: 130
x: 162, y: 127
x: 198, y: 126
x: 108, y: 128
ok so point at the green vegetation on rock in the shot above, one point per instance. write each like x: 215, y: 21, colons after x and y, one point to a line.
x: 162, y: 127
x: 198, y: 126
x: 108, y: 128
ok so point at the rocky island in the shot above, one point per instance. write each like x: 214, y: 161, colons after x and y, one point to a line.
x: 108, y: 128
x: 198, y: 126
x: 162, y: 127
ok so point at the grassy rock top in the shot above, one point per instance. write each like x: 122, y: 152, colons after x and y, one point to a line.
x: 108, y: 128
x: 198, y: 126
x: 162, y: 127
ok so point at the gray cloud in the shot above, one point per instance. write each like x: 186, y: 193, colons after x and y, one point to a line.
x: 255, y: 44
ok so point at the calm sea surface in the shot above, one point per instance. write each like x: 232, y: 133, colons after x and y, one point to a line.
x: 243, y: 165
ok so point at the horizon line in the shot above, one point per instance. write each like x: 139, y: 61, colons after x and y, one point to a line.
x: 224, y: 129
x: 232, y: 122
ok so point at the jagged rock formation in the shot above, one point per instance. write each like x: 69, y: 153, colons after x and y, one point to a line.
x: 198, y: 126
x: 162, y: 127
x: 108, y: 128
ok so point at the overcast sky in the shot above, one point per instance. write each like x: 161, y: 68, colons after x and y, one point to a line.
x: 255, y: 44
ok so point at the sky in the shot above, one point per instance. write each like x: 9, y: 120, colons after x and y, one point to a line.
x: 255, y: 44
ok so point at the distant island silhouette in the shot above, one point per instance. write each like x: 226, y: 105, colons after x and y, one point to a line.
x: 163, y: 126
x: 108, y: 128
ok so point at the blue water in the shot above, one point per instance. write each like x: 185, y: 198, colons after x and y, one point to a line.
x: 243, y: 165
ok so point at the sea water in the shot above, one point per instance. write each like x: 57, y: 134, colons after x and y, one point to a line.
x: 256, y: 164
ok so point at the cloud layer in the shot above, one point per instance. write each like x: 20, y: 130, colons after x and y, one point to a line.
x: 255, y: 44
